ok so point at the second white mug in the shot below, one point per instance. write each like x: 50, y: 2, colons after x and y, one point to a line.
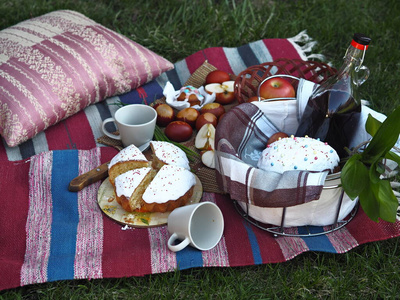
x: 135, y: 122
x: 200, y: 225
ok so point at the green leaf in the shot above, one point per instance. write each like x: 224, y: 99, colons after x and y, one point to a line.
x: 387, y: 201
x: 393, y: 156
x: 372, y: 125
x: 384, y: 139
x: 354, y: 176
x: 369, y: 203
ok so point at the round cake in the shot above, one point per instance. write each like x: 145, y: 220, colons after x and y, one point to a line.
x: 160, y: 185
x: 190, y: 94
x: 298, y: 153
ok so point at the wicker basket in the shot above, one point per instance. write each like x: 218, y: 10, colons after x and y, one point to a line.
x: 247, y: 82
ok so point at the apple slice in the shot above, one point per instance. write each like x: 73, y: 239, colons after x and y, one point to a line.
x: 205, y: 137
x: 224, y: 93
x: 208, y: 158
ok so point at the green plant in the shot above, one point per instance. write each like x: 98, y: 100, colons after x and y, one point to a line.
x: 362, y: 174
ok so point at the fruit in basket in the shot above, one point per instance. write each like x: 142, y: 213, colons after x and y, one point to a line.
x: 205, y: 138
x: 215, y: 108
x: 224, y: 92
x: 206, y: 118
x: 188, y: 115
x: 277, y: 87
x: 217, y: 76
x: 255, y: 98
x: 178, y: 131
x: 165, y: 114
x: 276, y: 136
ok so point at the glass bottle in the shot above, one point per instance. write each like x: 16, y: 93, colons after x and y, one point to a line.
x: 333, y: 109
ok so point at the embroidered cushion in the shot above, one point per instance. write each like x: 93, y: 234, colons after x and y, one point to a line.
x: 55, y: 65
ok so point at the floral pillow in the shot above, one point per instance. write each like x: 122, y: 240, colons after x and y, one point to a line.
x: 55, y: 65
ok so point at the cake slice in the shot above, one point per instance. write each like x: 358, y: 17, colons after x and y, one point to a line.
x: 172, y: 187
x: 127, y: 159
x: 130, y: 186
x: 165, y: 153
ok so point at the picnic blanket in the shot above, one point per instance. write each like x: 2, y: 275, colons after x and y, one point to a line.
x: 48, y: 233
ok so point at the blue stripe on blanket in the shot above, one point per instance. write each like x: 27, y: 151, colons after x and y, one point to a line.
x: 189, y: 258
x: 174, y: 79
x: 148, y: 93
x: 318, y: 243
x: 65, y: 217
x: 248, y: 56
x: 255, y: 248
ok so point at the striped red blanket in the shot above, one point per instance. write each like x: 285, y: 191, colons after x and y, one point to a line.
x: 48, y: 233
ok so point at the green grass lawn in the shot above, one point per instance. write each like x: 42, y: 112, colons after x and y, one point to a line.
x: 176, y: 29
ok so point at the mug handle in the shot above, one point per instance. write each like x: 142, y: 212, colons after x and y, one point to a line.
x: 178, y: 247
x: 103, y: 128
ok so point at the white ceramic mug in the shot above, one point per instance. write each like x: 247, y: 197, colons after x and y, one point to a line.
x: 200, y: 225
x: 135, y: 122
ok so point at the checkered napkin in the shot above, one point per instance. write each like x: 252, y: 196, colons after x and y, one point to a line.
x: 241, y: 136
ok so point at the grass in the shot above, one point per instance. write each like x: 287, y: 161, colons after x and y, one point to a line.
x: 176, y: 29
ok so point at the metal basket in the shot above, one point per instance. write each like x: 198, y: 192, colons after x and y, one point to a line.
x: 247, y: 85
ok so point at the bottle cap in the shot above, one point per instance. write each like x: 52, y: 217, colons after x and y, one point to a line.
x: 360, y: 41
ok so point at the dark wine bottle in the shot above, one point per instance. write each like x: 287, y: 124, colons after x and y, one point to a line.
x: 333, y: 109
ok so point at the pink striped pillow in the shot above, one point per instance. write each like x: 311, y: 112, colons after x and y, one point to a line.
x: 55, y: 65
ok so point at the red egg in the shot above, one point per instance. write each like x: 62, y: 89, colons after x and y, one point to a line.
x: 178, y: 131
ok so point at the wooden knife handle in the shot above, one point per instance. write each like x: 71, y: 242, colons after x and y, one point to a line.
x: 88, y: 178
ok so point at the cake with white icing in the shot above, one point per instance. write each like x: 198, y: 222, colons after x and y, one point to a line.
x: 162, y: 185
x: 298, y: 153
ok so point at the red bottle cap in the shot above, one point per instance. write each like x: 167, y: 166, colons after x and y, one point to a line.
x: 360, y: 41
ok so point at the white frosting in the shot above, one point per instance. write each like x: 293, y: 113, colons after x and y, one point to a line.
x: 298, y: 153
x: 170, y: 183
x: 170, y: 154
x: 126, y: 183
x: 127, y: 154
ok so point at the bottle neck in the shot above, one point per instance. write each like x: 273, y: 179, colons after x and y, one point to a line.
x: 354, y: 57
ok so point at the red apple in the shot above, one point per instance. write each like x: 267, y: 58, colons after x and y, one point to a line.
x: 254, y: 98
x: 165, y: 114
x: 188, y: 115
x: 224, y: 93
x: 206, y: 118
x: 215, y: 108
x: 217, y: 76
x: 277, y: 87
x: 178, y: 131
x: 276, y: 136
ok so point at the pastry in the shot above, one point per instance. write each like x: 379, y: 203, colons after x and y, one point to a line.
x: 190, y: 94
x: 160, y: 185
x: 127, y: 159
x: 298, y: 153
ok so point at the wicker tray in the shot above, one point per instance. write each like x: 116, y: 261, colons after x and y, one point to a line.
x: 246, y: 83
